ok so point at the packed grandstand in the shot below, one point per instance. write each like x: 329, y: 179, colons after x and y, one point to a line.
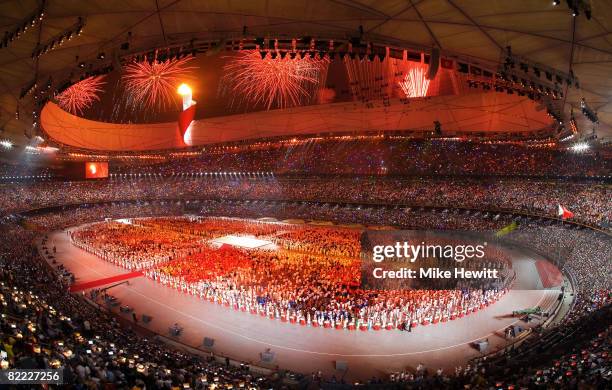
x: 38, y: 302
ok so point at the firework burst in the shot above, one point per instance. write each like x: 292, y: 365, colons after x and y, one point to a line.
x: 80, y: 96
x: 415, y: 83
x: 153, y: 85
x: 274, y: 82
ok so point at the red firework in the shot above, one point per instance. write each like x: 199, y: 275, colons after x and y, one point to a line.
x: 154, y: 84
x: 278, y: 82
x: 415, y: 83
x: 80, y: 96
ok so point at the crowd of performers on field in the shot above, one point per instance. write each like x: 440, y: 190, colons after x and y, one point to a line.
x: 133, y: 247
x: 312, y: 278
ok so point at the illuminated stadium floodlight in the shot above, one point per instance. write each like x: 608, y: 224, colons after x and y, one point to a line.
x: 40, y: 149
x: 6, y: 144
x: 580, y: 147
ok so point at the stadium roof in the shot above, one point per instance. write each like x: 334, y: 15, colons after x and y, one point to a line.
x: 488, y: 112
x: 534, y: 29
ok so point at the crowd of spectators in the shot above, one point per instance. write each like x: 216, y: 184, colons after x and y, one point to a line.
x: 572, y: 355
x: 139, y: 361
x: 378, y: 156
x: 588, y: 202
x: 581, y: 253
x: 45, y: 326
x: 11, y: 172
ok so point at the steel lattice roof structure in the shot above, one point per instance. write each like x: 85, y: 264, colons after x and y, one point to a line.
x: 481, y: 31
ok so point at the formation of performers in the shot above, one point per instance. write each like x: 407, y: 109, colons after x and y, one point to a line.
x: 313, y: 278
